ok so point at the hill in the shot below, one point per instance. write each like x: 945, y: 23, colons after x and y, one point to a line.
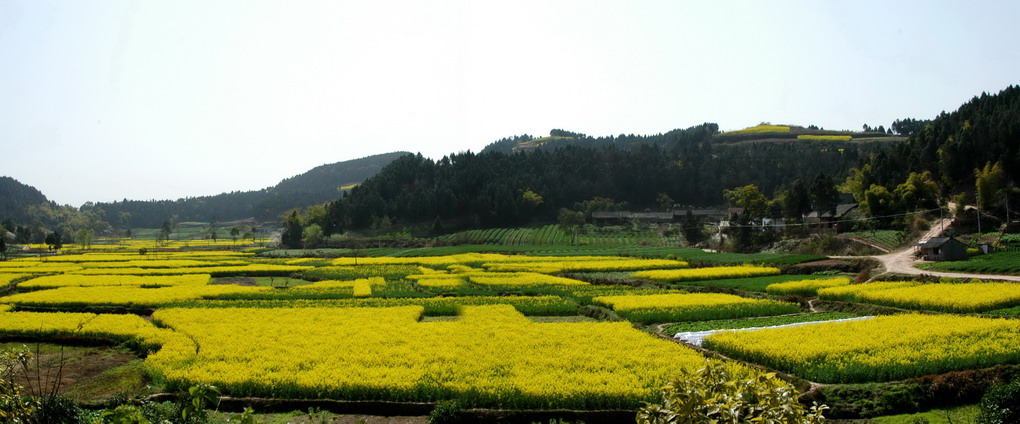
x: 493, y: 188
x: 558, y: 138
x: 952, y: 146
x: 793, y: 133
x: 16, y: 197
x: 320, y: 184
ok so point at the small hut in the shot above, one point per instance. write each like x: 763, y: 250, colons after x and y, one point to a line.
x: 942, y: 249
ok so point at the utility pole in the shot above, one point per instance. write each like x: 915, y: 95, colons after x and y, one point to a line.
x: 1005, y: 200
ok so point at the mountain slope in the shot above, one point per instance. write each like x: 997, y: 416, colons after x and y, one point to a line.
x: 15, y: 197
x: 320, y: 184
x: 498, y: 189
x: 558, y: 139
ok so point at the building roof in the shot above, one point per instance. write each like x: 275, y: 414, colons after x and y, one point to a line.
x: 936, y: 242
x: 632, y: 215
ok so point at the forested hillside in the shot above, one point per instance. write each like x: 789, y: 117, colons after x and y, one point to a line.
x: 321, y: 184
x: 954, y: 144
x: 16, y: 197
x: 499, y: 189
x: 560, y: 138
x: 972, y: 153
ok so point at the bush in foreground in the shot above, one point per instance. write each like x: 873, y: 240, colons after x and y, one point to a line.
x: 1001, y: 404
x: 720, y: 394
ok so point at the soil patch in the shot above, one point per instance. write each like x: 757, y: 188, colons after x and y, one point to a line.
x: 239, y: 281
x: 825, y: 264
x: 84, y: 372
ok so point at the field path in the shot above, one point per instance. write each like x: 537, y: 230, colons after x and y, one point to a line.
x: 902, y: 261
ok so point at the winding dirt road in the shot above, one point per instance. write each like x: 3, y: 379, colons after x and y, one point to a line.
x: 902, y: 261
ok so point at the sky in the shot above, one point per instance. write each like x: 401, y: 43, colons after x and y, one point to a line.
x: 110, y: 100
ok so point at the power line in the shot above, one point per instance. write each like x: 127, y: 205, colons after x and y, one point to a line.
x: 805, y: 224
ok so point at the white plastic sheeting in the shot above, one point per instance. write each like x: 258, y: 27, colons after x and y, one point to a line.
x: 697, y: 337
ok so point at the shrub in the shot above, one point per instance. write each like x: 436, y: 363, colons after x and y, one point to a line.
x: 14, y: 407
x: 445, y: 412
x: 1001, y: 404
x: 719, y: 393
x: 55, y: 408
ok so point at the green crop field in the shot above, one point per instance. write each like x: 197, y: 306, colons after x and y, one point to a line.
x: 995, y: 263
x: 889, y: 239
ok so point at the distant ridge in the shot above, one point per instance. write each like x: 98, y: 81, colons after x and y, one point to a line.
x: 318, y: 185
x: 15, y: 197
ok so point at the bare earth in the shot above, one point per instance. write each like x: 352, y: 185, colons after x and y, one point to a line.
x: 902, y: 261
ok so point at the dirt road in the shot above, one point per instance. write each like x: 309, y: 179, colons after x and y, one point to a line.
x: 902, y: 261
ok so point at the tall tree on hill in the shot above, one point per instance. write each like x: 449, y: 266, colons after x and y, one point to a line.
x: 292, y: 231
x: 989, y: 183
x: 824, y: 196
x: 797, y: 201
x: 748, y: 198
x: 165, y: 230
x: 693, y: 230
x: 665, y: 202
x: 54, y: 241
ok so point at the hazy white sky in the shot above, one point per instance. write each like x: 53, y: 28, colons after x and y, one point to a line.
x: 106, y: 100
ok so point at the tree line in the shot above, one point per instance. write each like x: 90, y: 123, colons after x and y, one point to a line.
x: 494, y: 188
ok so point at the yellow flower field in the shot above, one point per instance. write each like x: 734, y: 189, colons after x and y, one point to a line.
x: 445, y: 281
x: 240, y: 269
x: 692, y: 306
x: 963, y: 297
x: 762, y: 128
x: 880, y: 349
x: 358, y: 332
x: 824, y: 137
x: 805, y: 287
x: 522, y: 279
x: 37, y: 267
x: 713, y: 273
x: 123, y: 295
x: 850, y: 293
x: 159, y: 263
x: 54, y: 281
x: 6, y: 279
x: 491, y: 356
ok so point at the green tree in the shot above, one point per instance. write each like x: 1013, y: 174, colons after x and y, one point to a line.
x: 530, y: 201
x: 990, y: 181
x: 722, y: 394
x: 693, y: 230
x: 858, y: 182
x: 918, y: 192
x: 823, y: 193
x: 570, y: 222
x: 54, y: 241
x: 748, y: 198
x: 878, y: 201
x: 600, y: 204
x: 292, y: 229
x: 85, y: 237
x: 3, y: 247
x: 234, y: 232
x: 164, y: 231
x: 664, y: 201
x: 796, y: 202
x: 312, y: 236
x: 211, y: 230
